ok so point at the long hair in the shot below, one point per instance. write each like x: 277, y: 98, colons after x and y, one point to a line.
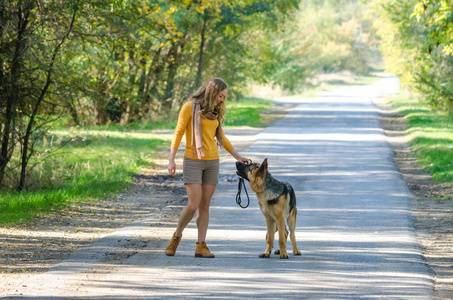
x: 207, y: 95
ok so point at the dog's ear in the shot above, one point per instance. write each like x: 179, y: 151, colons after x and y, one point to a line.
x: 263, y: 166
x: 264, y: 163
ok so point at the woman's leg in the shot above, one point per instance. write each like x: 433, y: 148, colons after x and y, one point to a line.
x: 203, y: 210
x: 194, y: 193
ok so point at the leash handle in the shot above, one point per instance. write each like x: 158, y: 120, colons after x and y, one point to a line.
x: 238, y: 195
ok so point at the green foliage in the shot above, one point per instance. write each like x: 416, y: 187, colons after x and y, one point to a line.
x: 114, y: 62
x: 32, y: 36
x: 437, y: 19
x: 430, y: 133
x: 322, y: 36
x: 417, y: 46
x: 134, y: 63
x: 342, y: 35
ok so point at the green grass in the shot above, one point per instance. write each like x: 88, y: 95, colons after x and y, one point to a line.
x: 246, y: 112
x: 430, y: 133
x: 91, y: 165
x: 167, y: 123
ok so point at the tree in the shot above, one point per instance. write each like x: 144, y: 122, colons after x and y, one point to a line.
x: 31, y: 39
x: 104, y: 61
x: 416, y: 43
x: 142, y: 59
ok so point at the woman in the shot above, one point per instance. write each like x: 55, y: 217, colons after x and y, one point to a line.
x: 201, y: 120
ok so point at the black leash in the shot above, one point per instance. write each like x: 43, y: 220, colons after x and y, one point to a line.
x: 238, y: 196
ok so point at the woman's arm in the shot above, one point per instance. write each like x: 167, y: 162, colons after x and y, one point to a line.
x: 239, y: 157
x: 229, y: 147
x: 171, y: 162
x: 184, y: 117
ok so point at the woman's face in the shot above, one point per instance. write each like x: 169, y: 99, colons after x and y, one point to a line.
x: 222, y: 96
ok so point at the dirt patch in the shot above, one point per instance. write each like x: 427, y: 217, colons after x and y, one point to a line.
x: 432, y: 216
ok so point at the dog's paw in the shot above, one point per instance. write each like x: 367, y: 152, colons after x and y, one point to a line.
x: 277, y: 251
x: 297, y: 252
x: 284, y: 256
x: 265, y: 255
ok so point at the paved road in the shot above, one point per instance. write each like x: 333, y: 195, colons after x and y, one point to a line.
x: 354, y: 224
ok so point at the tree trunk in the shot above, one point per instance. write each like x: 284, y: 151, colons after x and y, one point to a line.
x: 127, y: 115
x: 143, y: 78
x: 7, y: 146
x: 73, y: 113
x: 12, y: 90
x: 100, y: 102
x: 25, y: 155
x: 200, y: 57
x: 174, y: 55
x: 156, y: 71
x: 151, y: 77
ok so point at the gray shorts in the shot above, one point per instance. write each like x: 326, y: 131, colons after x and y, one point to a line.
x: 200, y: 171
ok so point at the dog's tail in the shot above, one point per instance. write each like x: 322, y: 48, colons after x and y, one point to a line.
x: 292, y: 198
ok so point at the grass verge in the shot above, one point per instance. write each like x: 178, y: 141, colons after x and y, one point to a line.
x: 247, y: 112
x: 91, y: 165
x: 430, y: 134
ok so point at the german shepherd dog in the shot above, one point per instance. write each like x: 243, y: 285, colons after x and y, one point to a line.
x: 277, y: 202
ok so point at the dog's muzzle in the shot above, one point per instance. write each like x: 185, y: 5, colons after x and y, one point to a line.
x: 240, y: 175
x: 240, y: 168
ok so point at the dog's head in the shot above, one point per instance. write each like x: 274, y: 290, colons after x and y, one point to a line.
x: 252, y: 172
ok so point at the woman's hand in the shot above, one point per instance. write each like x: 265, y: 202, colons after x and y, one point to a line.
x: 239, y: 157
x: 171, y: 162
x: 244, y: 160
x: 171, y: 167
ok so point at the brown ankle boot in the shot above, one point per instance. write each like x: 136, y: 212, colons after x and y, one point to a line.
x: 174, y: 242
x: 202, y: 250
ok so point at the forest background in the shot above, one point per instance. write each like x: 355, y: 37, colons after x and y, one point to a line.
x: 83, y: 82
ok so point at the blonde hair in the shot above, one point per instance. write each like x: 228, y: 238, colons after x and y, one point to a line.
x: 207, y: 96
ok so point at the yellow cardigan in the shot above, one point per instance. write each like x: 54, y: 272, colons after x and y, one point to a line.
x: 208, y: 130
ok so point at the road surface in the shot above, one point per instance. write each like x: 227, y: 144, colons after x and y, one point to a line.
x: 354, y: 224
